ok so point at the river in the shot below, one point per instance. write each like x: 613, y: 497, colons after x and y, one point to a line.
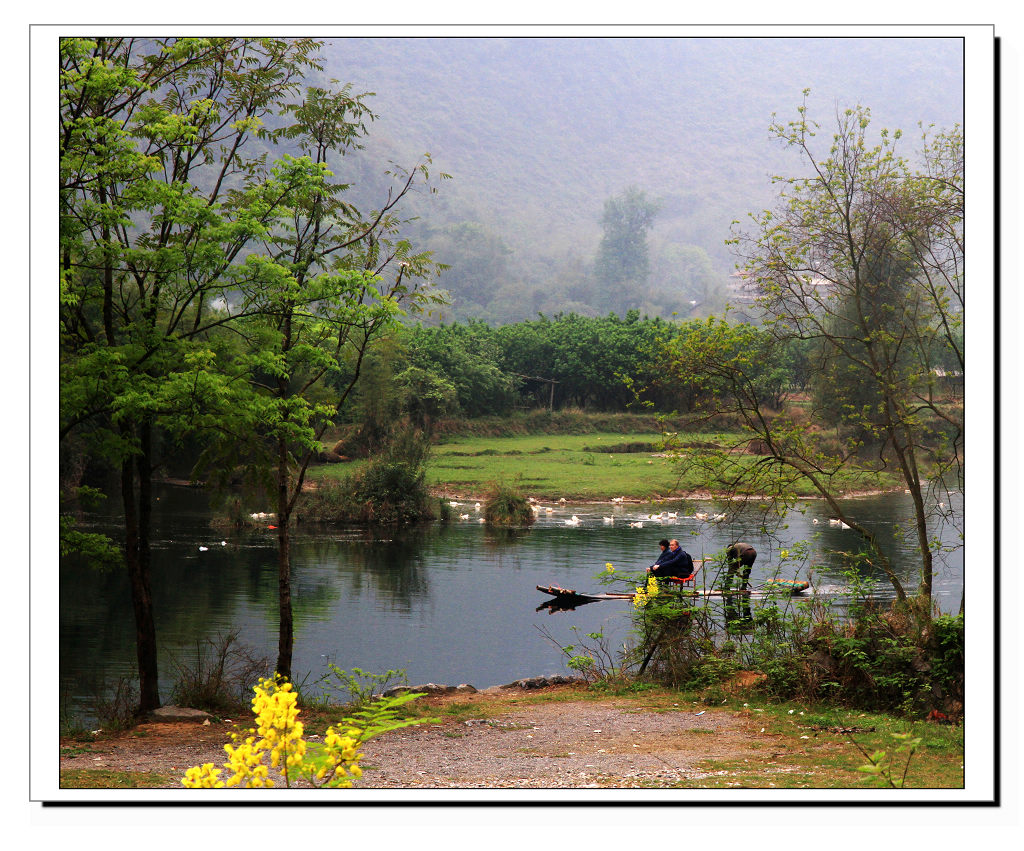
x: 449, y: 603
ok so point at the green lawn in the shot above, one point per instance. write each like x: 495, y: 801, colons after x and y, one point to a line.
x: 550, y: 466
x: 553, y: 466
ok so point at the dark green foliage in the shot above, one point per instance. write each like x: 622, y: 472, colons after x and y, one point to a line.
x: 946, y: 647
x: 874, y: 658
x: 782, y: 676
x: 95, y: 549
x: 598, y: 364
x: 711, y: 670
x: 469, y: 358
x: 881, y: 660
x: 391, y: 488
x: 506, y: 506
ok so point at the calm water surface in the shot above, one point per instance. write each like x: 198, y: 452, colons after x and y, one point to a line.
x: 449, y: 604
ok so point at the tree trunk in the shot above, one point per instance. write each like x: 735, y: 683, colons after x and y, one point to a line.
x: 137, y: 563
x: 285, y: 637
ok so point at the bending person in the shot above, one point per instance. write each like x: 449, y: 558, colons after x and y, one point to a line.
x: 741, y: 558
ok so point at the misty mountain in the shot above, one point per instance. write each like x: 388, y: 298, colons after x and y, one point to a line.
x: 540, y: 133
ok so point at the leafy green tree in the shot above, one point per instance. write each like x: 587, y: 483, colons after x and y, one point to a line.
x: 623, y: 262
x: 154, y: 138
x: 597, y: 362
x: 323, y: 285
x: 203, y: 290
x: 426, y: 396
x: 849, y: 260
x: 468, y: 357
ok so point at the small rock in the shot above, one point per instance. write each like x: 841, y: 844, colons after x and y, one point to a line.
x: 179, y: 713
x: 527, y: 683
x: 427, y: 688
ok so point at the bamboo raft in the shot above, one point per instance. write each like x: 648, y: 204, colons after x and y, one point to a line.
x: 567, y: 599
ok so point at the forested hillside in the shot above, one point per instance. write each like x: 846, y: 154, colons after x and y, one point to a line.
x: 539, y: 134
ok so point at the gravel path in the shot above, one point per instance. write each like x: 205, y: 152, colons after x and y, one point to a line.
x: 579, y: 744
x: 490, y: 741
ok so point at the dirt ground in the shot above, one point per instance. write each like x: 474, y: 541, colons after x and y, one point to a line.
x: 503, y: 740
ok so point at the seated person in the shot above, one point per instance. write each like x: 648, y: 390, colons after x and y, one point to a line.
x: 674, y: 561
x: 664, y: 554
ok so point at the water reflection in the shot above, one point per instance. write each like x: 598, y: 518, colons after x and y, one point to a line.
x: 453, y: 603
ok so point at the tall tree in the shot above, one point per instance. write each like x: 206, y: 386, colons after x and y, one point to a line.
x: 152, y: 135
x: 863, y: 259
x: 323, y: 284
x: 623, y: 262
x: 166, y: 199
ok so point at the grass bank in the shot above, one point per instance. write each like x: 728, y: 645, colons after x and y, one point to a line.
x: 584, y: 466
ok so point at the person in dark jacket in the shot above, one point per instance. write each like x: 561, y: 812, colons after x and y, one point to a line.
x: 664, y: 554
x: 741, y: 558
x: 673, y: 562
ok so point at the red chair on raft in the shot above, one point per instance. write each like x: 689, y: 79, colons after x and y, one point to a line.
x: 682, y: 581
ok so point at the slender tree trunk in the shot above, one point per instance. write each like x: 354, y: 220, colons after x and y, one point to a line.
x: 908, y: 467
x: 285, y: 637
x: 142, y: 601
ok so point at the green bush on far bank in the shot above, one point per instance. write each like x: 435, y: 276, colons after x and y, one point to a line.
x: 506, y: 506
x: 390, y: 487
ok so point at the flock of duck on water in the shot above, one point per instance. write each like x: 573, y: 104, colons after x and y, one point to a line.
x: 660, y: 517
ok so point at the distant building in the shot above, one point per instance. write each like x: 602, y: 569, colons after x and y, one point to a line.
x: 744, y: 289
x: 741, y: 288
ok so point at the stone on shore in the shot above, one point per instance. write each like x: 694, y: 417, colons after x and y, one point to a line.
x: 179, y: 713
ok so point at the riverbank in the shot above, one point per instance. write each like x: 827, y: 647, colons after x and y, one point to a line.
x: 567, y: 737
x: 585, y: 468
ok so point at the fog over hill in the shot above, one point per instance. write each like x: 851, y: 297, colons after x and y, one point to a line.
x: 539, y: 133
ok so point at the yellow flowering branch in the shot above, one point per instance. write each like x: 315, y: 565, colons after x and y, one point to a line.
x: 279, y: 733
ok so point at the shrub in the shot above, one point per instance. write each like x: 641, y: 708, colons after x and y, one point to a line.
x: 506, y: 506
x: 117, y: 708
x: 219, y: 678
x: 876, y: 658
x: 391, y: 488
x: 946, y: 643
